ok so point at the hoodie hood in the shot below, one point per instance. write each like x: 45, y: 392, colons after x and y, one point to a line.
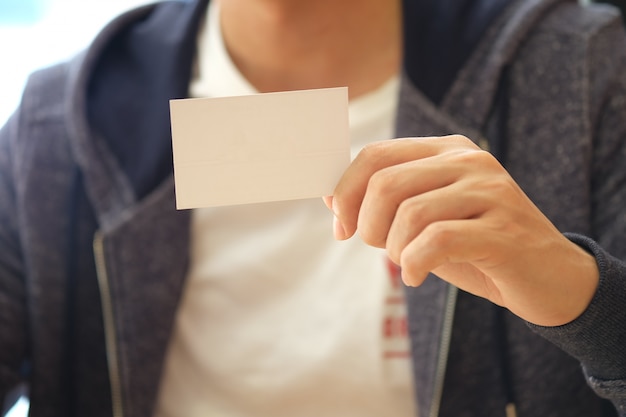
x: 120, y: 101
x: 439, y: 37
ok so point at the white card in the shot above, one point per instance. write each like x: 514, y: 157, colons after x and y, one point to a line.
x: 257, y: 148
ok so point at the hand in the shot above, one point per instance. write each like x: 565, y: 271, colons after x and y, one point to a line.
x: 445, y: 206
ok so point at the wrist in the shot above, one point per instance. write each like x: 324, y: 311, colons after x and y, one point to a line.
x: 574, y: 287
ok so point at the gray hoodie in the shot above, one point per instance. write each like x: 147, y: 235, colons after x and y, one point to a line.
x: 93, y: 254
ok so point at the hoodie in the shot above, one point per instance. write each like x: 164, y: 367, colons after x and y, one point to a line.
x: 93, y: 253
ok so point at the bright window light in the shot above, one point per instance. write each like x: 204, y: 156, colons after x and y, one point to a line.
x: 38, y: 33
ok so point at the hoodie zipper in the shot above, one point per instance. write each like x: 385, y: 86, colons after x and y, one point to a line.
x: 109, y: 325
x: 444, y: 349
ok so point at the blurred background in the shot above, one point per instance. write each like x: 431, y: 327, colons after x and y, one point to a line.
x: 36, y: 33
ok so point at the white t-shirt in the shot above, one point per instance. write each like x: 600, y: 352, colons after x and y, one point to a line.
x: 277, y: 318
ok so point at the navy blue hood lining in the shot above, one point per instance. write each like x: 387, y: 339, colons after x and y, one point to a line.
x: 439, y: 37
x: 147, y: 64
x: 141, y: 69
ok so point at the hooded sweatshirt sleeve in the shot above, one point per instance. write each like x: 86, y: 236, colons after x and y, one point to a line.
x: 598, y: 337
x: 12, y: 294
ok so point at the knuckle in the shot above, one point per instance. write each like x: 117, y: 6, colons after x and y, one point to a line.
x: 501, y: 188
x: 439, y: 237
x: 382, y: 183
x: 476, y: 157
x: 408, y: 220
x: 375, y: 151
x: 486, y: 159
x: 371, y: 237
x: 460, y: 138
x: 462, y: 141
x: 412, y: 211
x: 370, y: 232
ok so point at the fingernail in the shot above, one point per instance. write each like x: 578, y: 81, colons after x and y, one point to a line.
x: 338, y: 229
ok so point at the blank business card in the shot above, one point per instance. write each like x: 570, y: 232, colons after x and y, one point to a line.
x: 259, y: 148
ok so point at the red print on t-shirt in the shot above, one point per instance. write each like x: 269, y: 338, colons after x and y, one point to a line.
x: 395, y: 325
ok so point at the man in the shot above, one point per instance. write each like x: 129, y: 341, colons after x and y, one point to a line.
x: 255, y: 310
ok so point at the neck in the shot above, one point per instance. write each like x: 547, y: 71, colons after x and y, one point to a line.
x: 281, y: 45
